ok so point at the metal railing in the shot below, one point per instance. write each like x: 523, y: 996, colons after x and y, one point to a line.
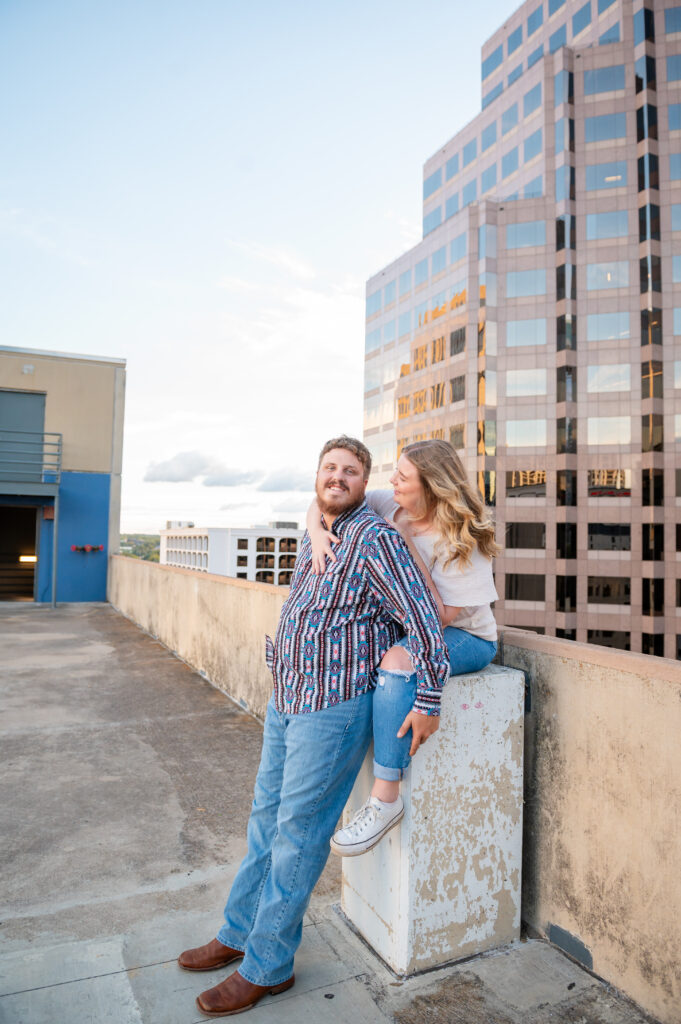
x: 30, y: 457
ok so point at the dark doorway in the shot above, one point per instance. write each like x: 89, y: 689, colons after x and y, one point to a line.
x: 17, y: 552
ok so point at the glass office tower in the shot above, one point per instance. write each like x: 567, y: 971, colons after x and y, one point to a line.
x: 537, y: 325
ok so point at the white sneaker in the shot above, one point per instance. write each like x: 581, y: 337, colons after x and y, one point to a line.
x: 367, y: 828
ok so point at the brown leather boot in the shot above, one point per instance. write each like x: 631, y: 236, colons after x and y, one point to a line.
x: 208, y: 957
x: 236, y: 995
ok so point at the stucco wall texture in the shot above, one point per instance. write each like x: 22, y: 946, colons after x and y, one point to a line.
x: 217, y: 625
x: 602, y: 837
x: 602, y: 814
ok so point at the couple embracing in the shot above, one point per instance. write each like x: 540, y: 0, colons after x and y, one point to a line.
x: 390, y: 593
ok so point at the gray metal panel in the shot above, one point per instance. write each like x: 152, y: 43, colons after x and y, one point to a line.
x: 22, y: 410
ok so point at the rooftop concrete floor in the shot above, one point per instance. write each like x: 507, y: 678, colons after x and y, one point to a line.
x: 125, y: 793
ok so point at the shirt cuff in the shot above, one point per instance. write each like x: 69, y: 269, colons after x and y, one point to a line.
x: 427, y: 702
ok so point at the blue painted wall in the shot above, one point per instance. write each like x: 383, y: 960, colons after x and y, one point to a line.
x: 83, y: 519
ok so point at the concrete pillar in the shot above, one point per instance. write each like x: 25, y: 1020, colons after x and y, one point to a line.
x: 445, y: 883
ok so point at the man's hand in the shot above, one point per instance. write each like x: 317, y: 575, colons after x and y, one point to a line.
x: 422, y: 726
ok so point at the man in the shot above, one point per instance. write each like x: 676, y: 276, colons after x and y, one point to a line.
x: 333, y: 631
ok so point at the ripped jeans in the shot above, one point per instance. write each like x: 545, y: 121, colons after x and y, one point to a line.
x: 395, y: 694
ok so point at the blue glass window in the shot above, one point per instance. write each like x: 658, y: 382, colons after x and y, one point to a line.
x: 432, y: 220
x: 677, y: 320
x: 487, y: 243
x: 405, y: 282
x: 674, y: 68
x: 558, y: 39
x: 509, y: 118
x: 514, y: 40
x: 438, y: 261
x: 389, y: 331
x: 525, y: 332
x: 389, y: 293
x: 509, y: 162
x: 404, y: 323
x: 452, y: 166
x: 532, y: 100
x: 521, y: 283
x: 676, y: 269
x: 489, y: 136
x: 374, y: 302
x: 555, y: 5
x: 674, y: 117
x: 608, y: 175
x: 676, y: 216
x: 581, y: 19
x: 512, y: 198
x: 492, y: 94
x: 607, y: 225
x: 469, y: 192
x: 451, y: 205
x: 563, y: 88
x: 605, y: 126
x: 532, y: 146
x: 675, y: 166
x: 534, y: 188
x: 470, y: 151
x: 611, y: 35
x: 535, y: 56
x: 432, y: 183
x: 488, y: 178
x: 515, y: 74
x: 672, y: 20
x: 492, y: 62
x: 457, y: 248
x: 607, y: 326
x: 535, y: 20
x: 527, y: 234
x: 644, y: 26
x: 373, y: 340
x: 600, y: 276
x: 421, y: 272
x: 564, y: 135
x: 604, y: 79
x: 604, y: 4
x: 565, y: 183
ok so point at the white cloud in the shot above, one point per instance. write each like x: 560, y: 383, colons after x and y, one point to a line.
x: 180, y: 468
x: 221, y: 477
x: 287, y: 480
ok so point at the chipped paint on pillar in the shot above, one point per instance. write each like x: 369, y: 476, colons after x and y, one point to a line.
x: 446, y: 882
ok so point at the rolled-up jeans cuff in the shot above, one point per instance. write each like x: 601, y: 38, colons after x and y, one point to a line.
x: 388, y: 774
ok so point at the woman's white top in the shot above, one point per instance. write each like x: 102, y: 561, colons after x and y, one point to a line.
x: 470, y: 587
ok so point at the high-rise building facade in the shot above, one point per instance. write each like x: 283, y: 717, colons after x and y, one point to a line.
x: 537, y: 325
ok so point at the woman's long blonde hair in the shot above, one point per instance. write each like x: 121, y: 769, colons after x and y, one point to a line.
x: 456, y: 509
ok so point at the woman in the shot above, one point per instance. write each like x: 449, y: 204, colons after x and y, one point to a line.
x: 445, y: 524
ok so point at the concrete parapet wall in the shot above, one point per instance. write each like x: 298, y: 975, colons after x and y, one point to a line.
x: 602, y: 842
x: 217, y: 625
x: 445, y: 884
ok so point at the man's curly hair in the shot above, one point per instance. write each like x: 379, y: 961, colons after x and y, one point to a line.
x: 351, y: 444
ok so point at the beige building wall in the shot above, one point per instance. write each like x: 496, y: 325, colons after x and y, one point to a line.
x: 602, y: 809
x: 215, y: 623
x: 602, y: 843
x: 84, y: 403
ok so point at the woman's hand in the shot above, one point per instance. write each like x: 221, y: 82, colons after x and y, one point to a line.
x: 422, y: 726
x: 321, y: 541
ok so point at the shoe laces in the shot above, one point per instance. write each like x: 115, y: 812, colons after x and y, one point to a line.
x: 364, y: 818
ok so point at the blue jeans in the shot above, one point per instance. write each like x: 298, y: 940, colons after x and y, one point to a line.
x: 307, y: 769
x: 396, y: 691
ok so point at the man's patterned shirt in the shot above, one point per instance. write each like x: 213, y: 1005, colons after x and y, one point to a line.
x: 335, y: 627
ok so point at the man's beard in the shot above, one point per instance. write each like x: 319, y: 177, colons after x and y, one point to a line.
x: 335, y: 504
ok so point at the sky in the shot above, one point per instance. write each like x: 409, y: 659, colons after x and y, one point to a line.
x: 202, y: 187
